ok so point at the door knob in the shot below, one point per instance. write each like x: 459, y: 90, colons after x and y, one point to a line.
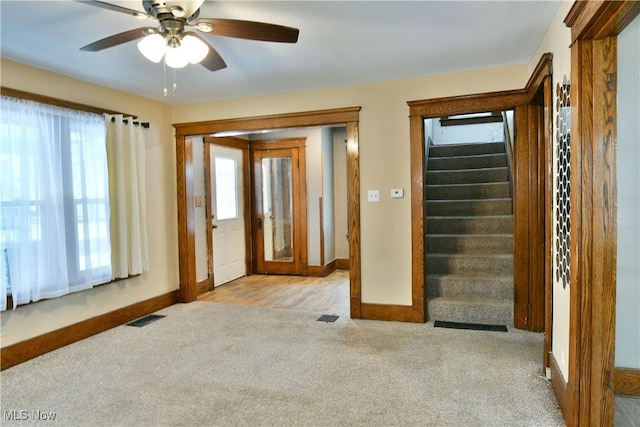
x: 214, y: 226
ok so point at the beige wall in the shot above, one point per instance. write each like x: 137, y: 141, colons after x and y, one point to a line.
x: 557, y: 41
x: 384, y: 156
x: 35, y: 319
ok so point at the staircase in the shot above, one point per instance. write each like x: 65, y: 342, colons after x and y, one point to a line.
x: 469, y: 234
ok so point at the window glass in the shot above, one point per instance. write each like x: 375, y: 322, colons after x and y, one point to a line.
x: 226, y: 188
x: 54, y: 207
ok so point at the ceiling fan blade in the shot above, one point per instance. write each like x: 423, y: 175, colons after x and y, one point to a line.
x: 251, y: 30
x: 116, y: 8
x: 117, y: 39
x: 213, y: 61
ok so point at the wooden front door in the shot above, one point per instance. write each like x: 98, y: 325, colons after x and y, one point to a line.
x: 280, y: 208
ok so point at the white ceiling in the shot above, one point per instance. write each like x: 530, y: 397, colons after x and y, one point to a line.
x: 340, y: 43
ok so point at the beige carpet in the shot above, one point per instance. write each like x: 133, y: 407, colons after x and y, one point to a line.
x: 213, y: 364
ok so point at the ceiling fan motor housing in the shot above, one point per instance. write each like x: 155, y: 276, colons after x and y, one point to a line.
x: 187, y: 10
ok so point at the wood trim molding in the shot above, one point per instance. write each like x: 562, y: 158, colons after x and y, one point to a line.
x: 597, y: 19
x: 418, y: 223
x: 320, y: 271
x: 475, y: 103
x: 184, y: 164
x: 186, y: 220
x: 396, y: 313
x: 353, y: 219
x: 626, y: 382
x: 342, y: 264
x: 543, y: 69
x: 300, y: 119
x: 34, y: 347
x: 594, y: 28
x: 204, y: 286
x: 228, y: 141
x: 279, y: 143
x: 559, y: 385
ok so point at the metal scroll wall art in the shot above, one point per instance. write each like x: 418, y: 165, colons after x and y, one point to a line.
x: 563, y: 183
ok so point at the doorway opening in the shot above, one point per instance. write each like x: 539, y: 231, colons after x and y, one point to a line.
x: 322, y: 255
x: 469, y: 217
x: 295, y: 217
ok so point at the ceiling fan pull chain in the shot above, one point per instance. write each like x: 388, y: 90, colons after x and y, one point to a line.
x: 175, y: 86
x: 164, y: 70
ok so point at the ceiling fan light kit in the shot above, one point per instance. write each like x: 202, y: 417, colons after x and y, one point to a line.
x: 177, y: 53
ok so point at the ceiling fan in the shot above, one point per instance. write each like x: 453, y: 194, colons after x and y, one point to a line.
x: 173, y: 38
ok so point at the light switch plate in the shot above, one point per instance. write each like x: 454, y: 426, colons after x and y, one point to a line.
x: 373, y: 196
x: 198, y: 201
x: 397, y: 193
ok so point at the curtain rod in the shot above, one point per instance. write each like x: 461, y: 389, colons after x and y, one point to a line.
x: 126, y: 122
x: 15, y: 93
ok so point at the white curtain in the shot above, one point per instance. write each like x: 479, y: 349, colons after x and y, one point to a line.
x: 53, y: 199
x: 126, y: 157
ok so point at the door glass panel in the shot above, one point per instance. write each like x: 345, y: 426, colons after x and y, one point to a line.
x: 277, y: 207
x: 226, y: 188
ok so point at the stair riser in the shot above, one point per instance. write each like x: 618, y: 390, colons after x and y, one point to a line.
x: 468, y: 208
x: 443, y: 264
x: 467, y: 176
x: 470, y: 313
x: 466, y: 192
x: 471, y: 162
x: 446, y: 286
x: 479, y: 225
x: 465, y: 244
x: 451, y: 150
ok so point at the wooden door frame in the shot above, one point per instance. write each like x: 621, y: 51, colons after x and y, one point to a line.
x: 300, y: 206
x: 240, y: 144
x: 526, y: 293
x: 593, y: 379
x: 184, y: 164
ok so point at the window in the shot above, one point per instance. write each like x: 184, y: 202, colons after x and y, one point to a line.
x: 54, y: 201
x: 226, y: 188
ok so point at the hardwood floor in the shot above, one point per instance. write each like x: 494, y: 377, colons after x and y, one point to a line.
x: 324, y: 295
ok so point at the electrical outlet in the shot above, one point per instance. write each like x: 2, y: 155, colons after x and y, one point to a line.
x: 373, y: 196
x: 397, y: 193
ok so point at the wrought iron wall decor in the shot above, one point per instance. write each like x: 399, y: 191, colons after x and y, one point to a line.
x: 563, y: 183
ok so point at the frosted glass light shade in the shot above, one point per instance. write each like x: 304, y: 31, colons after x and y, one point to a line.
x: 152, y: 47
x: 195, y: 48
x: 176, y: 57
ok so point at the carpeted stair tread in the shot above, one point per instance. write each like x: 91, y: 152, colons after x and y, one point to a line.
x: 487, y: 286
x: 449, y: 150
x: 470, y: 263
x: 467, y: 176
x: 491, y: 190
x: 498, y: 224
x: 467, y: 207
x: 471, y: 309
x: 469, y: 243
x: 467, y: 162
